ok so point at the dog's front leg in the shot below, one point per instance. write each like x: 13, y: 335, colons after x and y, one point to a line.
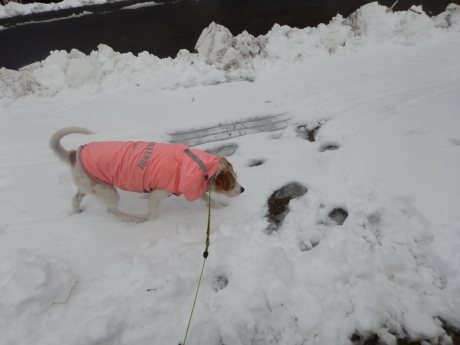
x: 155, y: 198
x: 214, y: 204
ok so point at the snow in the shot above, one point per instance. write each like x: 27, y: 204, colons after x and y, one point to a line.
x: 144, y: 4
x: 384, y: 89
x: 222, y: 57
x: 13, y: 9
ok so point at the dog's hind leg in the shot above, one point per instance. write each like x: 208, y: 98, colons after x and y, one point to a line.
x: 76, y: 200
x: 104, y: 192
x: 127, y: 218
x: 109, y: 195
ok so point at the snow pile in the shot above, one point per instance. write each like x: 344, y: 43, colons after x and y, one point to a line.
x: 380, y: 26
x: 222, y: 57
x: 29, y: 285
x: 105, y: 69
x: 218, y: 47
x: 450, y: 18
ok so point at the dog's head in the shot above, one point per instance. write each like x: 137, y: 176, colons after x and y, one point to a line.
x: 225, y: 181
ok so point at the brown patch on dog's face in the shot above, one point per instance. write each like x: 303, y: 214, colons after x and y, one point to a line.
x: 225, y: 182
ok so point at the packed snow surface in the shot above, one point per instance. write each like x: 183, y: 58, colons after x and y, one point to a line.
x: 380, y: 90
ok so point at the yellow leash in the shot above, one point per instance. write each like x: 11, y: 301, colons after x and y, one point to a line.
x: 205, y: 256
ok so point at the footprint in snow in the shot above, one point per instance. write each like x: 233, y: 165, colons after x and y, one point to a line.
x: 219, y: 282
x: 307, y: 133
x: 256, y: 162
x: 338, y: 216
x: 329, y: 147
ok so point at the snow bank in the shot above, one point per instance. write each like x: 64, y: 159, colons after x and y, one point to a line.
x: 29, y: 285
x: 450, y: 18
x: 13, y: 9
x: 221, y: 57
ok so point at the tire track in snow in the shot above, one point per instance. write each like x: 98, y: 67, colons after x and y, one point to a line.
x: 267, y: 123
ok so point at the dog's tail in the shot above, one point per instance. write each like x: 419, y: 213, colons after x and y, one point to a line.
x: 55, y: 143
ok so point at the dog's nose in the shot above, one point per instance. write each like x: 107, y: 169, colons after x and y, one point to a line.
x: 242, y: 189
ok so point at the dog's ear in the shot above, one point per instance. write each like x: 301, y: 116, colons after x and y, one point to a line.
x: 225, y: 164
x: 225, y: 181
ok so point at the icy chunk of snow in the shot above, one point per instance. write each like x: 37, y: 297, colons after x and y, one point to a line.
x: 421, y: 326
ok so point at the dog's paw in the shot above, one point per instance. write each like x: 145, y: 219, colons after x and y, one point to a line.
x: 127, y: 218
x: 72, y: 213
x: 151, y: 216
x: 133, y: 219
x: 217, y: 205
x: 142, y: 219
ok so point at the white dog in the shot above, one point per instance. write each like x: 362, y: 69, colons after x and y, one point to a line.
x: 144, y: 167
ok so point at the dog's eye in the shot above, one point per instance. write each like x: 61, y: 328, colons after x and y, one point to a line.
x: 233, y: 187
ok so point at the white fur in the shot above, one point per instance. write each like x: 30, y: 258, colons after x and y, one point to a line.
x: 107, y: 193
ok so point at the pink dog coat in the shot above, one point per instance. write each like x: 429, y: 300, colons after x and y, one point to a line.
x: 144, y: 166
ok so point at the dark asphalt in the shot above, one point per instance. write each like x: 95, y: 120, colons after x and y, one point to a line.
x: 164, y: 29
